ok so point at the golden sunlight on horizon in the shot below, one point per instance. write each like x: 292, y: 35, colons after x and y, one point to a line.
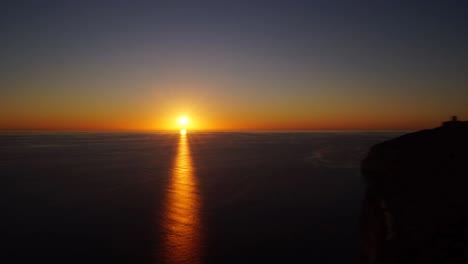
x: 181, y: 216
x: 183, y: 122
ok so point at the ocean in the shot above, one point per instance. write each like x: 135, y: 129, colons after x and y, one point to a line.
x: 225, y: 197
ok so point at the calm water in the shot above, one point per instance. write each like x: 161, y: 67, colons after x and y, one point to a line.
x: 169, y: 198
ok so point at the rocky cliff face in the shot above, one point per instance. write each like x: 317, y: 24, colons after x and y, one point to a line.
x: 416, y: 203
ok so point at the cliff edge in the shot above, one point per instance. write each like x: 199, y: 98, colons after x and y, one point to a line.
x: 416, y: 200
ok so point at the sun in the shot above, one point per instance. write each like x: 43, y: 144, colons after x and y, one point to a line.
x: 183, y: 120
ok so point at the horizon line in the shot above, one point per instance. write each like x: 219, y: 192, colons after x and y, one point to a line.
x: 198, y: 130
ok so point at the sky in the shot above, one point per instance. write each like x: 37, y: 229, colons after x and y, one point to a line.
x: 232, y: 65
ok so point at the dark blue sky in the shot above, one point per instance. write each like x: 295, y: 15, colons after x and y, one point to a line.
x: 296, y: 62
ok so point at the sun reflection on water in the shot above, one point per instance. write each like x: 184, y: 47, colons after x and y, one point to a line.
x: 181, y: 219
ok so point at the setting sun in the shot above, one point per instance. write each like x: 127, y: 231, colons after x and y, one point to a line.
x: 183, y: 131
x: 183, y: 120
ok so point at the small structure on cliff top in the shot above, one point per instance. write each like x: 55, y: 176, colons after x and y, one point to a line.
x: 455, y: 123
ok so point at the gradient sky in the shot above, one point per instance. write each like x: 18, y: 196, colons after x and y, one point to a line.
x: 232, y: 65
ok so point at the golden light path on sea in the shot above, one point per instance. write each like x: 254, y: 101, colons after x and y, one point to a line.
x: 181, y: 217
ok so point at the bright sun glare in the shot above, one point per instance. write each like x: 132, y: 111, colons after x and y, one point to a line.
x: 183, y: 120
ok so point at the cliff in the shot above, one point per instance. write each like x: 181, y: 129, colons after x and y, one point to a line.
x: 415, y: 205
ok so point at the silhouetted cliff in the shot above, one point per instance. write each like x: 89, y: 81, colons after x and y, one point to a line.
x: 415, y: 206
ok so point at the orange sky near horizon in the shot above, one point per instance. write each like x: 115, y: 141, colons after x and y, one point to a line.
x: 217, y: 122
x: 211, y: 106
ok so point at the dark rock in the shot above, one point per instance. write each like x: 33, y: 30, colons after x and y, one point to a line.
x: 415, y: 206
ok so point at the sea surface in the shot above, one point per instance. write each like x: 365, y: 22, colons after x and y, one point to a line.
x: 170, y: 198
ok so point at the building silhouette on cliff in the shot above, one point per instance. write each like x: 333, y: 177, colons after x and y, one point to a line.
x: 455, y: 123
